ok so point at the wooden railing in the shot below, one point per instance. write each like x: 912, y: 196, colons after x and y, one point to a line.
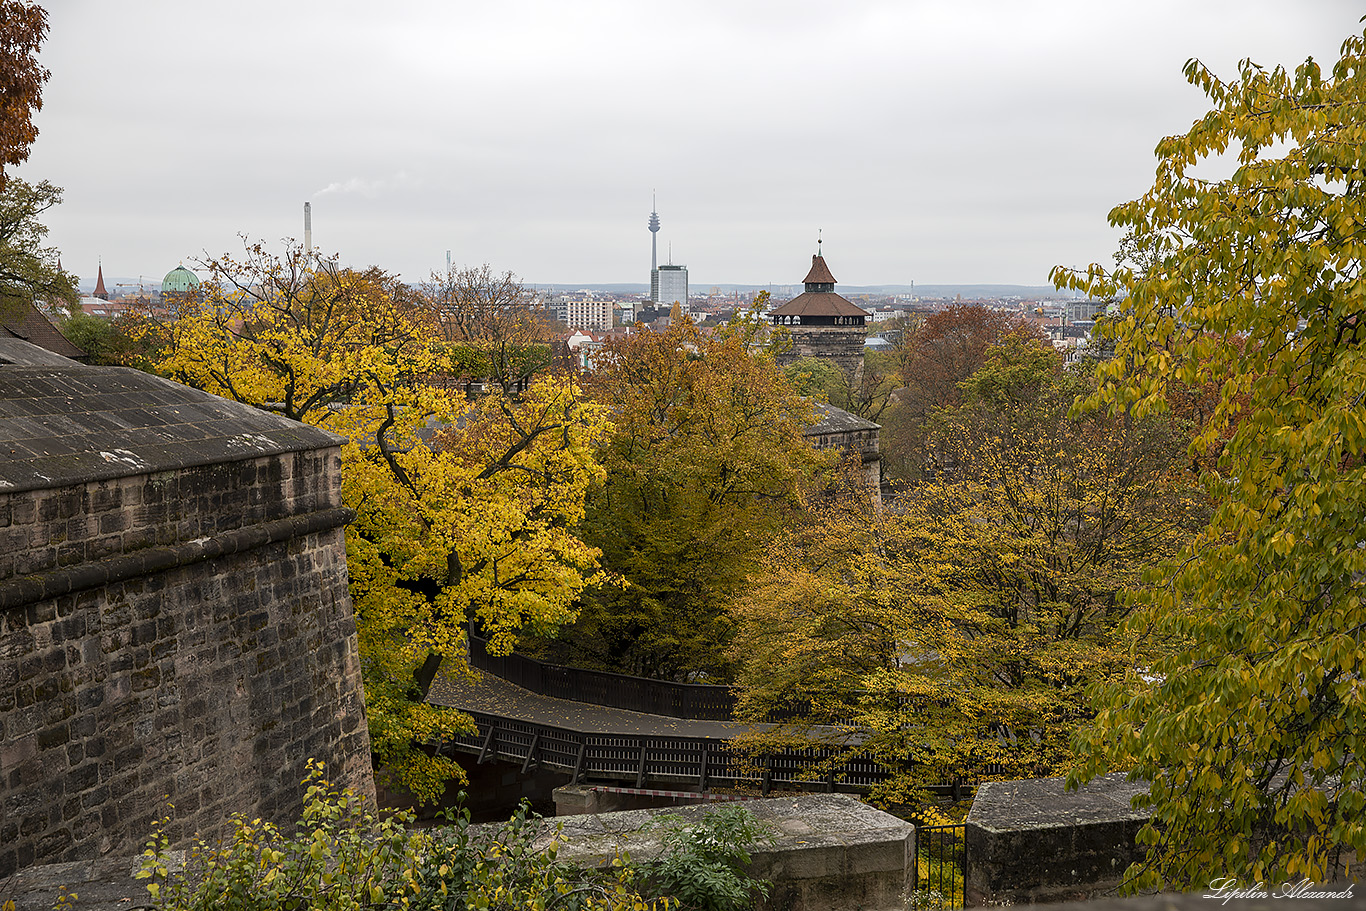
x: 640, y: 759
x: 693, y: 701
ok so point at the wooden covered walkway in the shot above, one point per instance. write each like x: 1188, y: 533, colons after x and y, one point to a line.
x: 610, y: 743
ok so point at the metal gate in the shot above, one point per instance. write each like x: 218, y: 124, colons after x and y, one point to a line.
x: 941, y: 867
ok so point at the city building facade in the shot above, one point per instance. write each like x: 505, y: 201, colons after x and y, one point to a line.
x: 584, y: 311
x: 673, y: 286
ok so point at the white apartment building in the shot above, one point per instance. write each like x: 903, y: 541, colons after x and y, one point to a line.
x: 584, y: 312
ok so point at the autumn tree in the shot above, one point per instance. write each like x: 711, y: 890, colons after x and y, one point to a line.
x: 23, y: 26
x: 704, y: 461
x: 111, y: 342
x: 27, y: 268
x: 947, y: 348
x: 1252, y: 733
x: 496, y: 330
x: 932, y: 360
x: 291, y: 334
x: 867, y: 395
x: 464, y: 510
x: 961, y: 629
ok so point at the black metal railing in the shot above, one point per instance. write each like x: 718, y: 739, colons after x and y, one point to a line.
x: 687, y: 701
x: 693, y: 701
x: 941, y: 866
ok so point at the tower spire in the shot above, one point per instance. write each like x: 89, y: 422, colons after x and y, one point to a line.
x: 99, y: 284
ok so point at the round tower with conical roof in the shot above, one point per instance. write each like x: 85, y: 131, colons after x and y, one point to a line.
x: 822, y: 323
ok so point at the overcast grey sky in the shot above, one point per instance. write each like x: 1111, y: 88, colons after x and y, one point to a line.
x: 935, y: 142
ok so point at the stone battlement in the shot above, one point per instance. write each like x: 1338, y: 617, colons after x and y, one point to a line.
x: 175, y: 624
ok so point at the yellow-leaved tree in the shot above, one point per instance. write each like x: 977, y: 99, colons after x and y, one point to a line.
x: 1252, y: 732
x: 465, y: 508
x: 704, y: 464
x: 955, y: 633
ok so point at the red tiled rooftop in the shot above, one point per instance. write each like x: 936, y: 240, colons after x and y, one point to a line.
x: 820, y: 272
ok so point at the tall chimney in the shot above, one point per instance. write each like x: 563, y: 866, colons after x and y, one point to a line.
x: 308, y: 227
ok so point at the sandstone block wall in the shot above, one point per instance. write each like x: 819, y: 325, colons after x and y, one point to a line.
x: 174, y: 638
x: 1033, y: 841
x: 827, y: 852
x: 841, y: 344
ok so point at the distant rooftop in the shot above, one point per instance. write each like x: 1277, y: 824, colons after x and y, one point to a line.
x: 819, y: 299
x: 830, y: 419
x: 31, y: 326
x: 820, y: 272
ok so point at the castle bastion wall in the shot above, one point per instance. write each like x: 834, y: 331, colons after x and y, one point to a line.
x: 176, y: 634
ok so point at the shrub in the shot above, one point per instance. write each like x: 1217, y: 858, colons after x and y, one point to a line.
x: 344, y: 857
x: 704, y: 866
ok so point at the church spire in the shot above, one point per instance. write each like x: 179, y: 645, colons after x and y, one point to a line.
x: 99, y: 285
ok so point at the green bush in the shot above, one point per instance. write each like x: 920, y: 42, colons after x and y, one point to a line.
x: 343, y: 857
x: 705, y: 865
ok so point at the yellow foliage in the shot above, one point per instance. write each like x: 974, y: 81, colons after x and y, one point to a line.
x: 956, y: 633
x: 466, y: 510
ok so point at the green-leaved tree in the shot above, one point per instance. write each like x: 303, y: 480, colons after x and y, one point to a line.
x: 1253, y: 733
x: 957, y: 631
x: 704, y: 462
x: 27, y: 268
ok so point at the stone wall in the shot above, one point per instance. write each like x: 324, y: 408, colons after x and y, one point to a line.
x: 828, y: 852
x: 180, y: 638
x: 587, y: 799
x: 841, y: 344
x: 1033, y: 841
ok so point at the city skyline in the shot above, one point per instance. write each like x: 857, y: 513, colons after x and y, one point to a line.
x: 978, y: 143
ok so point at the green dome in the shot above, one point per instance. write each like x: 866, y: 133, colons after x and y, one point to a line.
x: 178, y: 281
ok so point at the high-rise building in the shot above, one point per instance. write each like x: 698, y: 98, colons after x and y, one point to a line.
x: 654, y: 253
x: 673, y: 286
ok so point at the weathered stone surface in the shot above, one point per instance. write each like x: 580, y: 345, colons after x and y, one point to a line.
x: 829, y: 851
x: 581, y: 799
x: 841, y: 344
x: 1033, y: 840
x: 63, y: 425
x: 173, y: 629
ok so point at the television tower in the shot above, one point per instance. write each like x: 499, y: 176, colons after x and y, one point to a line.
x: 654, y: 252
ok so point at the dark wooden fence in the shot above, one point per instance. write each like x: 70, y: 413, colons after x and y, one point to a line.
x: 640, y: 759
x: 694, y: 701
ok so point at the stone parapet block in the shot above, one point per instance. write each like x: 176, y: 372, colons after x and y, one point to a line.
x: 828, y: 852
